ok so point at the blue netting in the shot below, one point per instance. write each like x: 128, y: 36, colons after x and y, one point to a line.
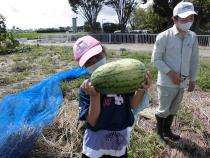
x: 24, y: 115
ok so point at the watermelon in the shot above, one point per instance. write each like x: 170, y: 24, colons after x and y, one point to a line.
x: 118, y: 77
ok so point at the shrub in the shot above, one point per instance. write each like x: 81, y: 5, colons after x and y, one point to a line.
x: 7, y: 40
x: 110, y: 27
x: 96, y: 27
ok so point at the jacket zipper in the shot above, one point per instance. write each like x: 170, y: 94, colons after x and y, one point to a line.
x: 181, y: 58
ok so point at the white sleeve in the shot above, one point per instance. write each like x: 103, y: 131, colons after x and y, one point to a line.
x: 159, y: 52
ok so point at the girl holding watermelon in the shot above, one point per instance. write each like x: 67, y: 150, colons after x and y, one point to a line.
x: 109, y: 117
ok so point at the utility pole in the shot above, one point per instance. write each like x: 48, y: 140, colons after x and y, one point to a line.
x: 102, y: 25
x: 74, y: 24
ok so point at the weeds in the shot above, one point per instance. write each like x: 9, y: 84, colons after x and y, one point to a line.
x: 188, y: 120
x: 68, y: 86
x: 203, y: 77
x: 20, y: 67
x: 144, y: 145
x: 5, y: 81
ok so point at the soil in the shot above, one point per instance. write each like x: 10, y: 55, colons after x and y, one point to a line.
x: 194, y: 143
x: 60, y: 139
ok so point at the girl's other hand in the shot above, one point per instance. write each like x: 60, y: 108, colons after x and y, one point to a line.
x: 148, y: 78
x: 88, y: 88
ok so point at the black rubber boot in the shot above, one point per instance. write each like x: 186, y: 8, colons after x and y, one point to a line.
x: 160, y: 126
x: 168, y: 133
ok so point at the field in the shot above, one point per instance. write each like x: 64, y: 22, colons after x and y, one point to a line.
x: 64, y: 137
x: 34, y: 35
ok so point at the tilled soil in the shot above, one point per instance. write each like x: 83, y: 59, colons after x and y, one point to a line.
x: 194, y: 142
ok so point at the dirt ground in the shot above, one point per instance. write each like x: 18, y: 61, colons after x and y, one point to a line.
x: 63, y: 138
x: 194, y: 143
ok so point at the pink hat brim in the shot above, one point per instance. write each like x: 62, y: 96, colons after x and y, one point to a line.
x: 186, y: 14
x: 90, y: 53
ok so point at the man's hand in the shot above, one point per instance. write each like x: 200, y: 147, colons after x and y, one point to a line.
x: 88, y: 88
x: 175, y: 77
x: 191, y: 86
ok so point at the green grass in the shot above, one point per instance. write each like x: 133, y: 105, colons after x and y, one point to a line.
x: 32, y: 35
x: 145, y: 57
x: 65, y: 57
x: 35, y: 35
x: 187, y: 119
x: 14, y: 77
x: 70, y: 89
x: 29, y: 36
x: 67, y: 86
x: 21, y: 76
x: 39, y: 60
x: 6, y: 80
x: 203, y: 80
x: 21, y: 67
x: 144, y: 145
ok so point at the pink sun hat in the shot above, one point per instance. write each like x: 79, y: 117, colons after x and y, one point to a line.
x: 85, y: 48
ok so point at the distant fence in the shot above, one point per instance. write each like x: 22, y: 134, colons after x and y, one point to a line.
x: 116, y: 38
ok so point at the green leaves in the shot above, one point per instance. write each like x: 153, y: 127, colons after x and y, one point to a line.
x: 88, y: 9
x: 203, y: 77
x: 7, y: 40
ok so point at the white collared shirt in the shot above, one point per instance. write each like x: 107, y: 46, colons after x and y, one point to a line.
x: 172, y: 52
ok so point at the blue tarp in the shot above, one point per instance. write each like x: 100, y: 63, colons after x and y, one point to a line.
x: 24, y: 115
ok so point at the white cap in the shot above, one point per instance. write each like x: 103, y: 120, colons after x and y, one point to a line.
x: 184, y: 9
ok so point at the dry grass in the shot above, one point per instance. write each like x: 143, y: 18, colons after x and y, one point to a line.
x: 64, y: 137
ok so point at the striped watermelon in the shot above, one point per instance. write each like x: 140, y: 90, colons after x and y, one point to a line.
x: 118, y: 77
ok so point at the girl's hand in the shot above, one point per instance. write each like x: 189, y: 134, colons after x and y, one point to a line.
x: 148, y: 80
x: 88, y: 88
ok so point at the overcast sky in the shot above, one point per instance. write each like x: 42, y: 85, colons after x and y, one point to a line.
x: 33, y: 14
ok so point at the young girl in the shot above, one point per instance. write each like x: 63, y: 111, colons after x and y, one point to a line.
x: 108, y: 116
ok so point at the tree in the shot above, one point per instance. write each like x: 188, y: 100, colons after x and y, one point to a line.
x: 123, y: 8
x: 88, y: 9
x: 7, y: 40
x: 3, y: 31
x: 139, y: 18
x: 110, y: 27
x: 164, y: 8
x: 202, y: 7
x: 87, y: 27
x: 147, y: 19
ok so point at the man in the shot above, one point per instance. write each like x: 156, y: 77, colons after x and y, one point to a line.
x: 176, y: 57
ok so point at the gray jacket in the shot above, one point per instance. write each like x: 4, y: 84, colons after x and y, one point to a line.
x: 171, y: 52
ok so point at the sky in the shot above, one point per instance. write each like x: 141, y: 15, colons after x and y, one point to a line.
x: 34, y: 14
